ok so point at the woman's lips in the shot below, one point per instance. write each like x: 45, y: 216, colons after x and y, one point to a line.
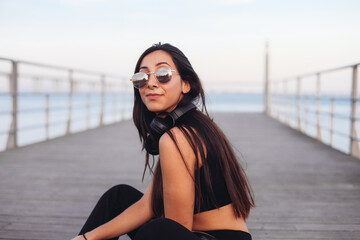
x: 153, y: 96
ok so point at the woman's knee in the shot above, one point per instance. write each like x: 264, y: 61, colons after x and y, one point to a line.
x: 121, y: 192
x: 163, y: 228
x: 120, y: 188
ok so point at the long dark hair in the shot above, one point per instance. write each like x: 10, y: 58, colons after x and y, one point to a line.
x: 203, y: 135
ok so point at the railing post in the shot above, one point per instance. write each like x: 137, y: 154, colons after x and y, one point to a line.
x: 318, y: 128
x: 354, y: 145
x: 286, y: 105
x: 298, y: 80
x: 36, y: 84
x: 57, y: 84
x: 71, y: 86
x: 332, y: 121
x: 88, y: 110
x: 12, y: 136
x: 114, y: 97
x: 306, y: 113
x: 283, y: 103
x: 277, y: 101
x: 124, y: 90
x: 101, y: 120
x: 266, y: 87
x: 47, y: 116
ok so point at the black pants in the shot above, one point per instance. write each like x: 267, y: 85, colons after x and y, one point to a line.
x: 120, y: 197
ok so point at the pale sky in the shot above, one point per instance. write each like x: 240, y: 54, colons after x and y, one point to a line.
x: 223, y: 39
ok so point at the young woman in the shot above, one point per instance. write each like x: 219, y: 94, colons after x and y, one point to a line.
x: 198, y: 190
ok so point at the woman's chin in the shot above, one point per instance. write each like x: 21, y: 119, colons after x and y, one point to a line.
x: 159, y: 109
x: 155, y: 109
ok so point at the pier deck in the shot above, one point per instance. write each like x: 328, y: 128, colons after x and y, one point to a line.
x: 303, y: 188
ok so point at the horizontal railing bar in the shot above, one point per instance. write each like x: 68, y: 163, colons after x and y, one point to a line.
x: 314, y: 125
x: 327, y: 113
x: 59, y: 67
x: 5, y: 132
x: 31, y: 127
x: 42, y: 77
x: 5, y: 74
x: 27, y: 128
x: 316, y: 73
x: 313, y: 97
x: 311, y: 111
x: 329, y: 70
x: 64, y: 79
x: 63, y: 93
x: 329, y: 130
x: 341, y: 116
x: 52, y: 109
x: 6, y: 59
x: 238, y: 83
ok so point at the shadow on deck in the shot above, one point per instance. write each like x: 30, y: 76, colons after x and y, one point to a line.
x: 303, y: 189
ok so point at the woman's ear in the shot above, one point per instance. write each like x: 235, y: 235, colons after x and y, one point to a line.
x: 186, y: 87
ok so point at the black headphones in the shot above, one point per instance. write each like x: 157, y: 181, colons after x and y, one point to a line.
x: 160, y: 125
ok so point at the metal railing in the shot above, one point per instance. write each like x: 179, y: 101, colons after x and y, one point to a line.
x: 298, y: 105
x: 75, y: 83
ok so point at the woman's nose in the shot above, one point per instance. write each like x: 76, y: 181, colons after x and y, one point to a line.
x: 152, y: 82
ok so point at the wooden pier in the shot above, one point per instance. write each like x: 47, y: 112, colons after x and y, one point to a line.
x: 303, y: 188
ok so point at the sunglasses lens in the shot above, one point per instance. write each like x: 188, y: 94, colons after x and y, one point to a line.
x: 139, y: 79
x: 163, y: 75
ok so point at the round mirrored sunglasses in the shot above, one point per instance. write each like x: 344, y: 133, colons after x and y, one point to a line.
x: 141, y: 79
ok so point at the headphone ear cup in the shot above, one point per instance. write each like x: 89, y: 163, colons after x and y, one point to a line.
x: 152, y: 146
x: 159, y: 126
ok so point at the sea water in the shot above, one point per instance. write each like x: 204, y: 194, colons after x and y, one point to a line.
x: 86, y: 110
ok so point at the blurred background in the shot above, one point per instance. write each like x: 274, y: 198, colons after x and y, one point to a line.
x: 65, y: 67
x: 72, y: 59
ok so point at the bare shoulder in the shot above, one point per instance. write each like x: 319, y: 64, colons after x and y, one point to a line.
x: 176, y: 149
x: 178, y: 135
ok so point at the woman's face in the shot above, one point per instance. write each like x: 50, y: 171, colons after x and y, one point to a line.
x: 161, y: 97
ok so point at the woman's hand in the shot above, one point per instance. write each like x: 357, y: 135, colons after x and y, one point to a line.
x: 133, y: 217
x: 80, y: 237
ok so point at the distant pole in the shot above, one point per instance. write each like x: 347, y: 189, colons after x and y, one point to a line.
x: 318, y: 127
x: 13, y: 133
x: 101, y: 122
x: 124, y: 98
x: 298, y: 102
x: 70, y: 101
x: 266, y: 87
x: 354, y: 142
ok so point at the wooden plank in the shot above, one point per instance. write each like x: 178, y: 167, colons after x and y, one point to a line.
x: 40, y: 219
x: 303, y: 189
x: 289, y: 235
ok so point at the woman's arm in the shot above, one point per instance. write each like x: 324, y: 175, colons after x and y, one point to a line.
x: 178, y: 184
x: 133, y: 217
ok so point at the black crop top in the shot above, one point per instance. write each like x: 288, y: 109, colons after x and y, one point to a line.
x: 219, y: 188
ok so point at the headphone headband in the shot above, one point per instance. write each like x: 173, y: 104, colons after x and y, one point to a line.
x: 159, y: 126
x: 178, y: 112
